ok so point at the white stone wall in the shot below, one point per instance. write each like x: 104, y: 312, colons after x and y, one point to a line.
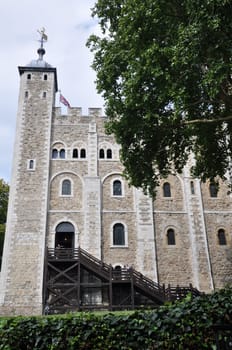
x: 23, y: 257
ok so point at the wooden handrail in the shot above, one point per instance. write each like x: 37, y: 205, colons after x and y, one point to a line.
x: 122, y: 275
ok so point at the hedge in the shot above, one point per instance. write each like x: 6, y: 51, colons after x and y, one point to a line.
x: 186, y: 324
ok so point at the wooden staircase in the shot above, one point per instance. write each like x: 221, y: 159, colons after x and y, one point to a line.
x: 76, y: 280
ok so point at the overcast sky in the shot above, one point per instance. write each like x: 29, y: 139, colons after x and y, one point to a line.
x: 68, y: 24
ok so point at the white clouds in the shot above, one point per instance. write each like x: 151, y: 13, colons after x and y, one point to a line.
x: 68, y: 25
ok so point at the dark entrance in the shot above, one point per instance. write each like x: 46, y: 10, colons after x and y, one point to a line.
x: 64, y: 235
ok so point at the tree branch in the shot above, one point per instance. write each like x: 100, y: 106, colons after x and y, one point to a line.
x: 205, y: 121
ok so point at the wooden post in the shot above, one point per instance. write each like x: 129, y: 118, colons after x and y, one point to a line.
x: 132, y: 289
x: 110, y: 289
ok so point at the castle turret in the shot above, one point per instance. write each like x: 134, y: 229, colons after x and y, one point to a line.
x: 23, y: 256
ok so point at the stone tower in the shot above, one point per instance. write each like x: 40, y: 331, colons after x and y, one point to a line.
x: 23, y: 257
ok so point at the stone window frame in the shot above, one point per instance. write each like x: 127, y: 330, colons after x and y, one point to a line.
x: 75, y: 153
x: 213, y: 190
x: 61, y: 187
x: 222, y: 237
x: 192, y: 188
x: 58, y: 153
x: 31, y: 164
x: 105, y: 151
x: 59, y: 147
x: 171, y: 240
x: 112, y: 245
x: 81, y: 150
x: 101, y: 154
x: 109, y: 153
x: 83, y: 153
x: 167, y: 193
x: 122, y: 187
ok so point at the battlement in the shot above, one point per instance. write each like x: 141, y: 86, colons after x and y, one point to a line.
x: 77, y: 111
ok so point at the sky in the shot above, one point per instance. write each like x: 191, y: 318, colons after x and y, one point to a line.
x: 68, y: 24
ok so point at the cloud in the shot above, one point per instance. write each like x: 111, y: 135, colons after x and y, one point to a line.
x: 68, y: 25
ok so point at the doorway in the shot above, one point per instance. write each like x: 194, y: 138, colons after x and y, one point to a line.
x: 64, y: 235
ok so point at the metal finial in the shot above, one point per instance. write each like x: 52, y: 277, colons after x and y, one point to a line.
x: 43, y: 38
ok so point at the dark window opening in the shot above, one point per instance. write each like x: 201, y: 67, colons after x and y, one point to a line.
x: 221, y: 237
x: 31, y: 164
x: 45, y: 77
x: 192, y: 187
x: 26, y: 94
x: 62, y: 154
x: 75, y: 153
x: 117, y: 188
x: 213, y: 190
x: 29, y: 76
x: 101, y: 153
x: 54, y: 153
x: 166, y: 189
x: 82, y: 153
x: 118, y: 235
x: 66, y: 187
x: 171, y: 237
x: 109, y: 154
x: 44, y: 94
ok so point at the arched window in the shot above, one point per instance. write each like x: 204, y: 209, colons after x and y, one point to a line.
x: 109, y: 154
x: 64, y: 235
x: 117, y: 188
x: 29, y: 76
x: 119, y: 234
x: 166, y: 189
x: 62, y: 154
x: 101, y: 153
x: 83, y: 153
x: 31, y: 164
x: 221, y: 237
x: 192, y: 187
x: 171, y: 237
x: 213, y: 189
x: 66, y: 188
x: 54, y: 153
x: 26, y: 94
x: 75, y: 153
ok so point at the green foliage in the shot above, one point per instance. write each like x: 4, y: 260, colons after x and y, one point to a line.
x: 164, y: 68
x: 4, y: 194
x: 184, y: 325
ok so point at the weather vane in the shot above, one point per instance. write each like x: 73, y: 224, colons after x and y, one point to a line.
x: 44, y: 36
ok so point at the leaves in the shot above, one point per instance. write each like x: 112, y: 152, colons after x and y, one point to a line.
x: 187, y: 324
x: 160, y: 66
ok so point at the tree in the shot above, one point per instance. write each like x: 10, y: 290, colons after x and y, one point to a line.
x: 4, y: 194
x: 164, y: 69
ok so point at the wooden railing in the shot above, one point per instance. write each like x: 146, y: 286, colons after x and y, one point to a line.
x: 123, y: 275
x: 63, y: 253
x: 180, y: 292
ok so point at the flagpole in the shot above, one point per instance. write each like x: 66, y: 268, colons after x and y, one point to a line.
x: 59, y: 98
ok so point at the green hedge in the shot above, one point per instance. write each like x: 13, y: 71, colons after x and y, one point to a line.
x: 187, y: 324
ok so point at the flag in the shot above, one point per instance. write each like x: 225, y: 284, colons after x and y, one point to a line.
x: 64, y: 101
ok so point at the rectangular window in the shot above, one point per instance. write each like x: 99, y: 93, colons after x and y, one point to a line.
x: 31, y: 164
